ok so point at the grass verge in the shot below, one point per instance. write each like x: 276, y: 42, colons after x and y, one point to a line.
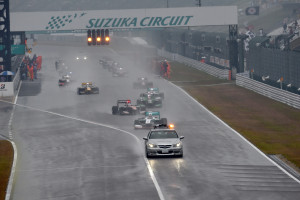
x: 270, y: 125
x: 6, y: 159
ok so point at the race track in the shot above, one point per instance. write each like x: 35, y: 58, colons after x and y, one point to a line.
x: 71, y: 147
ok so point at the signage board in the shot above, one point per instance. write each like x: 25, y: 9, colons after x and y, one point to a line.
x: 6, y: 89
x: 123, y: 19
x: 16, y: 49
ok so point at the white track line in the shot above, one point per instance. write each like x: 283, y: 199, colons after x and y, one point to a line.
x: 160, y: 194
x: 252, y: 145
x: 10, y: 135
x: 16, y: 98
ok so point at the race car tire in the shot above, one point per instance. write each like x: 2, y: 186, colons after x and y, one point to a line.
x: 140, y: 102
x: 78, y: 91
x: 162, y: 95
x: 142, y: 108
x: 115, y: 110
x: 164, y: 121
x: 158, y: 103
x: 96, y: 91
x: 121, y: 110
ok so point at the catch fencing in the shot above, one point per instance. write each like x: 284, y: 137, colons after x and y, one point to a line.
x: 220, y: 73
x: 277, y: 94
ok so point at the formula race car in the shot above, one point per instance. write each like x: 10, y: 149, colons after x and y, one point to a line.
x: 124, y: 107
x: 151, y: 119
x: 107, y: 63
x: 87, y: 88
x: 150, y: 100
x: 81, y: 56
x: 64, y: 80
x: 156, y: 91
x: 142, y: 83
x: 118, y: 71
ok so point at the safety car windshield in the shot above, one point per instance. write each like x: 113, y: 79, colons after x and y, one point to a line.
x: 163, y: 134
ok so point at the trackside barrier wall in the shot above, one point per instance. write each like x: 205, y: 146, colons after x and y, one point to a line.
x: 7, y: 89
x: 220, y: 73
x: 277, y: 94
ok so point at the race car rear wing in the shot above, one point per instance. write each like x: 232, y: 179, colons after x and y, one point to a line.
x: 87, y: 83
x: 152, y: 90
x: 152, y: 113
x: 124, y: 101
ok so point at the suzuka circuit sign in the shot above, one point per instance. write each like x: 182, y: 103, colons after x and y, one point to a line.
x: 116, y: 19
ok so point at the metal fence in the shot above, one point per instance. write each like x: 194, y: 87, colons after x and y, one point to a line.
x: 220, y: 73
x: 277, y: 94
x: 275, y: 63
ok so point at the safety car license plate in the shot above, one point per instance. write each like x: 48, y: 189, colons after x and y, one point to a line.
x: 165, y: 151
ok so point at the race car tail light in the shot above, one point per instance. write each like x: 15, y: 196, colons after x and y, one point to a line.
x: 128, y: 101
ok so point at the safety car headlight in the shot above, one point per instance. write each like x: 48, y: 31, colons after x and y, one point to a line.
x: 177, y: 145
x: 152, y: 145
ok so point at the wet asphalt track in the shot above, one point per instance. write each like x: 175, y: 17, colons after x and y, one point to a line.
x: 69, y: 157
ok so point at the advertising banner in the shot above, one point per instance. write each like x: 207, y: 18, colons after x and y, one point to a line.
x: 120, y: 19
x: 16, y: 49
x: 6, y: 89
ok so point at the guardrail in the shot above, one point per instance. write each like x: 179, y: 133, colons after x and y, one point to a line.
x: 220, y: 73
x: 277, y: 94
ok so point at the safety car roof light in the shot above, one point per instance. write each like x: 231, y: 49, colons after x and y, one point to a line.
x: 171, y: 126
